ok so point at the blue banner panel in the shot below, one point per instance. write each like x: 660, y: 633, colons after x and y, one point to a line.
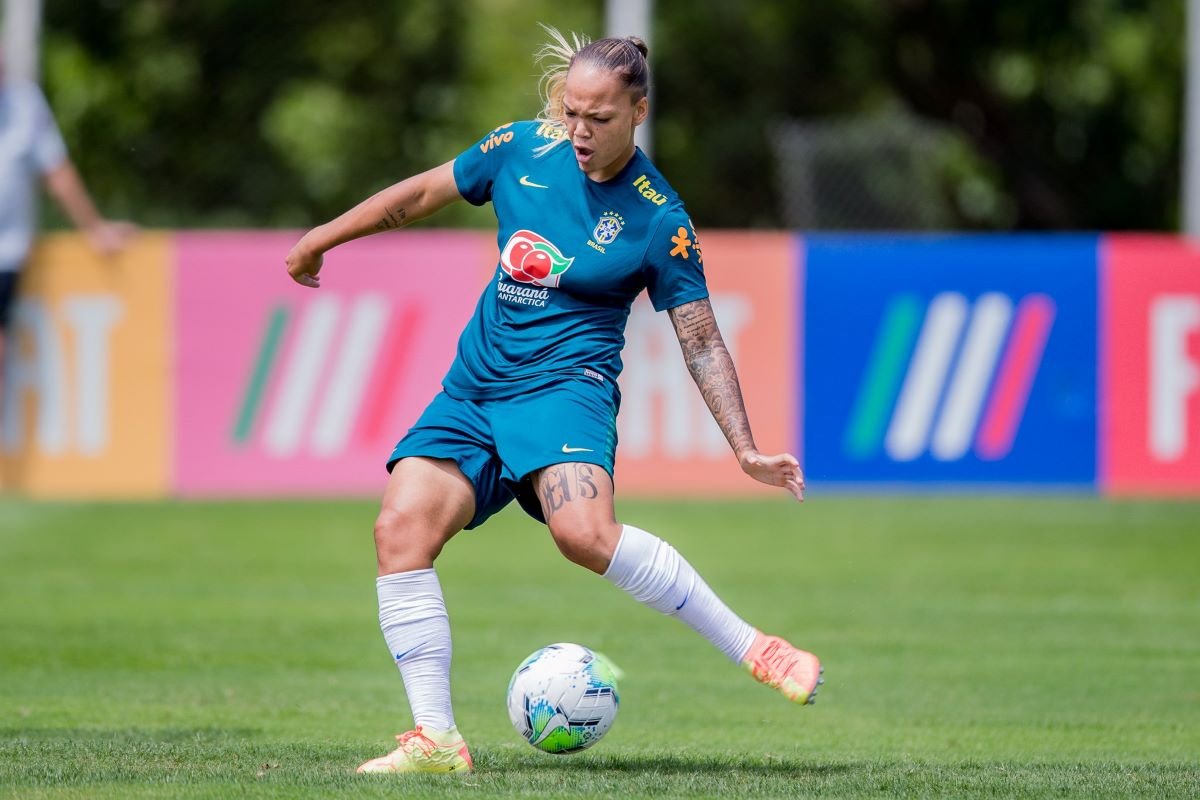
x: 968, y: 359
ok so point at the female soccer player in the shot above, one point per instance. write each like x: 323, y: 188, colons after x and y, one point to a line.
x: 586, y: 223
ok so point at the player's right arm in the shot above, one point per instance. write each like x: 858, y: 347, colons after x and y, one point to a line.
x: 398, y: 205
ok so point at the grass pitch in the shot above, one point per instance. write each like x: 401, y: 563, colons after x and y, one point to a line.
x: 1003, y: 646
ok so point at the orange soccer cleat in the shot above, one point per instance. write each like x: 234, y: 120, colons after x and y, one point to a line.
x: 795, y: 673
x: 424, y: 751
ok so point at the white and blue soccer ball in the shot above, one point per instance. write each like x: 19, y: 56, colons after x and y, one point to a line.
x: 563, y: 698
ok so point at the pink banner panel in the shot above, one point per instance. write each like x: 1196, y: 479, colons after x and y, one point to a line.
x: 285, y: 390
x: 1150, y: 365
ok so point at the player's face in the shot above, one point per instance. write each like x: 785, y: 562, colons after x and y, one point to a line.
x: 600, y: 115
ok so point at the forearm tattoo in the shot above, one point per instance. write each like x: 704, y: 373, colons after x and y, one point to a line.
x: 567, y: 483
x: 392, y: 218
x: 711, y: 365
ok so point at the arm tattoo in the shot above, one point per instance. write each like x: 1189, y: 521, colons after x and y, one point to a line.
x: 712, y: 368
x: 392, y: 218
x: 566, y: 483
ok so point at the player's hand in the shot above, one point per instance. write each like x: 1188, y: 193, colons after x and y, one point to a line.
x: 782, y: 470
x: 304, y: 265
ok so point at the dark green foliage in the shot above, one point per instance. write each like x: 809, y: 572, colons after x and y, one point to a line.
x: 1062, y: 115
x: 242, y: 113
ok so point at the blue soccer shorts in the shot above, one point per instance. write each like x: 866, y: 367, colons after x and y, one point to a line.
x: 498, y: 444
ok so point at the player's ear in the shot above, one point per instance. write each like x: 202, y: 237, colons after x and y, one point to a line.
x: 641, y: 110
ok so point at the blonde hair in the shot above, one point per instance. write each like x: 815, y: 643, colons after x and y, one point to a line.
x: 625, y: 57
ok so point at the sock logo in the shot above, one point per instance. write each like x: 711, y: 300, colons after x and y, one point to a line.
x: 958, y: 378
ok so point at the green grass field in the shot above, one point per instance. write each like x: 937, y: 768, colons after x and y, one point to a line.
x: 1004, y: 647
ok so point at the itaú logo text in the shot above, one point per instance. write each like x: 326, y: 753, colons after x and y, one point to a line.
x: 949, y: 378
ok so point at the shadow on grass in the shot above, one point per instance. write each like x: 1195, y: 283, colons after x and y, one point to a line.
x: 212, y: 743
x: 135, y: 736
x: 36, y: 756
x: 104, y: 755
x: 235, y: 759
x: 667, y: 764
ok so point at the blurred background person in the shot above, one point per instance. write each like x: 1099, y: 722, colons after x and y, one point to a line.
x: 32, y: 148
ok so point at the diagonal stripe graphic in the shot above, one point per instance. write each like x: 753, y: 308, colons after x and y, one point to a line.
x: 885, y: 370
x: 351, y: 372
x: 1019, y: 367
x: 908, y: 435
x: 285, y: 429
x: 399, y: 351
x: 276, y: 324
x: 968, y: 387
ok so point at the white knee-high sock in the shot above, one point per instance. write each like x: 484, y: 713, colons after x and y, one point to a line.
x: 654, y: 573
x: 412, y: 615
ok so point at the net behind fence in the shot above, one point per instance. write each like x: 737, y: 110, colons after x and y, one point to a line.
x: 879, y: 173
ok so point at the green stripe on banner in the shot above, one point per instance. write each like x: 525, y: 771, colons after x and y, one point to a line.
x: 258, y: 379
x: 877, y: 393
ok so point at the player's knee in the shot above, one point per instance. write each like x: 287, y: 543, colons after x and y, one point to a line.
x: 404, y: 540
x: 585, y: 543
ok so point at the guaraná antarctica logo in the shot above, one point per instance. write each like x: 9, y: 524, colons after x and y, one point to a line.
x: 530, y: 258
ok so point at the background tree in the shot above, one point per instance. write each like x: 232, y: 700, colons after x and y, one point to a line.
x: 1061, y: 115
x: 1019, y: 115
x: 251, y: 113
x: 1075, y: 106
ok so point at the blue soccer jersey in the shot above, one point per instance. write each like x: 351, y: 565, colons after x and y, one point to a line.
x: 574, y: 253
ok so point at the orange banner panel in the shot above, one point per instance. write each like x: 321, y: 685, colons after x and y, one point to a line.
x: 668, y: 442
x: 87, y: 385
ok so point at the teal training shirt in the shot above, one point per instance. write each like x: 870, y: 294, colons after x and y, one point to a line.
x: 574, y: 253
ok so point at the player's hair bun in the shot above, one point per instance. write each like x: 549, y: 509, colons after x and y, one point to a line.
x: 640, y: 44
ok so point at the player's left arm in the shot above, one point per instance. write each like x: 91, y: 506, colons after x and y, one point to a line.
x: 711, y: 365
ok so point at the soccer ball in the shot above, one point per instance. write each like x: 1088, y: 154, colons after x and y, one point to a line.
x: 563, y: 698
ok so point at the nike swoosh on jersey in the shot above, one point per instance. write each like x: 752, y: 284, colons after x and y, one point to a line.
x: 526, y: 182
x: 576, y: 449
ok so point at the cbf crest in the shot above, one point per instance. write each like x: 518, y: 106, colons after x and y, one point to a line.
x: 608, y: 227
